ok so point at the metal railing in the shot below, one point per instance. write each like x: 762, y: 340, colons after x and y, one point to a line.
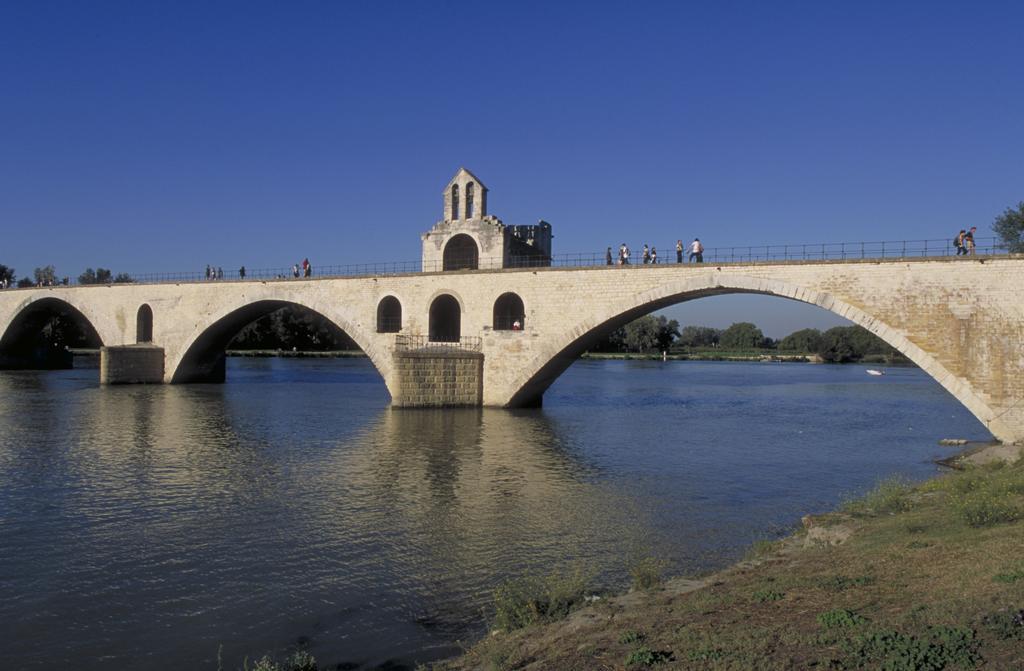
x: 835, y: 251
x: 407, y: 343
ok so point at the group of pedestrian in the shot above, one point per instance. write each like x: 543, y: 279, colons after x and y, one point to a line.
x: 305, y: 268
x: 964, y: 241
x: 649, y: 255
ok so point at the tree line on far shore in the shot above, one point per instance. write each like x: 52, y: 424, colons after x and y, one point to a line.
x: 656, y: 333
x: 46, y: 276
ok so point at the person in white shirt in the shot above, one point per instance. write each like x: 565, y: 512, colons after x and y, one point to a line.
x: 697, y: 251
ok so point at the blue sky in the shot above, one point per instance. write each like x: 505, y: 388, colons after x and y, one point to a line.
x: 162, y: 136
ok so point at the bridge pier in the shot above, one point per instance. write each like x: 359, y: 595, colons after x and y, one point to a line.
x: 132, y: 364
x: 438, y: 377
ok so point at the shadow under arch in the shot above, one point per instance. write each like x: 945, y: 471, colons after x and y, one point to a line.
x: 205, y: 357
x: 25, y: 346
x: 529, y: 387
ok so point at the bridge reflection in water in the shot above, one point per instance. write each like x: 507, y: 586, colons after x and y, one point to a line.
x: 148, y: 525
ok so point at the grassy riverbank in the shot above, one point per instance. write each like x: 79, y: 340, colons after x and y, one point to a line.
x: 909, y: 577
x: 718, y: 354
x: 706, y: 355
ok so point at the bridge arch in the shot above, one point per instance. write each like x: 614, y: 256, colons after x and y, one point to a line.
x: 461, y: 253
x: 565, y: 347
x: 21, y: 347
x: 202, y: 357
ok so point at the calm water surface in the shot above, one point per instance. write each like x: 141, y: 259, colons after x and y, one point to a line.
x: 145, y: 527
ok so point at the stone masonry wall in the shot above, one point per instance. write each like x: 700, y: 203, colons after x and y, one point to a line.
x: 438, y: 379
x: 132, y: 364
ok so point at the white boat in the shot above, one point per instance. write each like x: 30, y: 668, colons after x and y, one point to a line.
x: 872, y: 371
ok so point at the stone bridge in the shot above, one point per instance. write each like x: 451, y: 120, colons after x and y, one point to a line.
x: 500, y: 337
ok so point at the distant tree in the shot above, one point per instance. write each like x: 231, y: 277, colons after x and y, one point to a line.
x: 646, y: 334
x: 640, y: 335
x: 699, y: 336
x: 804, y: 340
x: 123, y: 278
x: 290, y: 327
x: 25, y: 282
x: 1009, y: 226
x: 668, y: 332
x: 837, y: 345
x: 98, y: 276
x: 843, y: 344
x: 742, y: 335
x: 45, y: 276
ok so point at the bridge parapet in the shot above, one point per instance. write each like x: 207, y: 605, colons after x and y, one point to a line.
x: 422, y: 343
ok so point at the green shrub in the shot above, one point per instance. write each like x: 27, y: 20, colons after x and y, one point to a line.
x: 839, y: 618
x: 644, y: 656
x: 765, y: 595
x: 890, y: 650
x: 531, y: 600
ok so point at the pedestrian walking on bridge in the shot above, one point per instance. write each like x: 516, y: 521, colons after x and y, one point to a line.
x: 696, y: 251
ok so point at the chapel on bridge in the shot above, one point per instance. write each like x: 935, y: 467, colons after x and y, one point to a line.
x: 469, y: 238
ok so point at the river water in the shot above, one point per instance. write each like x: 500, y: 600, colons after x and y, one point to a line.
x: 150, y: 527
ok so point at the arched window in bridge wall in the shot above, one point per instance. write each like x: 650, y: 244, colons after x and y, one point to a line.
x: 455, y: 202
x: 144, y: 324
x: 445, y: 319
x: 469, y: 200
x: 461, y: 253
x: 509, y: 313
x: 389, y: 315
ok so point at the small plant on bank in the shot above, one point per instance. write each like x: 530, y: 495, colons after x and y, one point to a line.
x: 1012, y: 576
x: 985, y: 508
x: 840, y: 618
x: 705, y: 655
x: 891, y: 495
x: 631, y: 637
x: 1006, y: 626
x: 532, y: 600
x: 985, y: 496
x: 761, y: 548
x: 299, y: 661
x: 644, y: 656
x: 766, y: 595
x: 841, y: 583
x: 646, y: 572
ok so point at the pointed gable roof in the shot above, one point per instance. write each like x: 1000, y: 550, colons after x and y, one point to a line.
x: 459, y: 173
